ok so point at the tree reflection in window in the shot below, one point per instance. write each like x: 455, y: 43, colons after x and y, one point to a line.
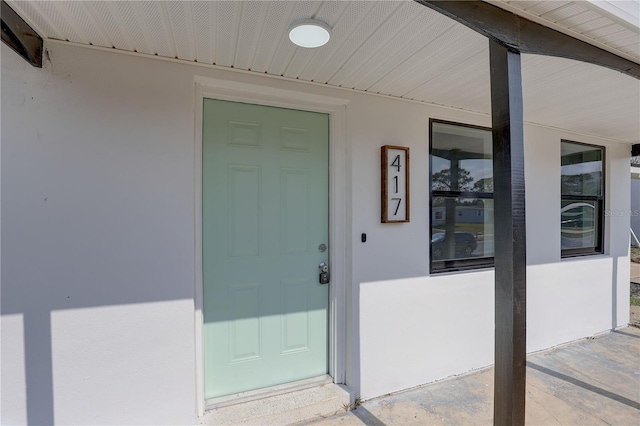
x: 461, y: 197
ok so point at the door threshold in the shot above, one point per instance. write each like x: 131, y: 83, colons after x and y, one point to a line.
x: 242, y: 397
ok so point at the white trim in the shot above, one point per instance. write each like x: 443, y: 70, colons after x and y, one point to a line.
x: 198, y: 292
x: 339, y: 227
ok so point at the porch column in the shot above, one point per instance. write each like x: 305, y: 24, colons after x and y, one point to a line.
x: 19, y: 36
x: 510, y: 235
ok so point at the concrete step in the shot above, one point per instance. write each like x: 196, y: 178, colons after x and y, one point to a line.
x: 283, y: 409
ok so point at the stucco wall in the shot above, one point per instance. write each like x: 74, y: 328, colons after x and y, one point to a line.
x: 98, y: 245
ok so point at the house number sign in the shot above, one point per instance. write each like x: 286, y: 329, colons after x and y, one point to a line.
x: 395, y: 184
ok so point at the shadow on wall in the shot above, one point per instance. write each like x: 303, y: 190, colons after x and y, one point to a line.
x: 84, y: 226
x: 36, y: 318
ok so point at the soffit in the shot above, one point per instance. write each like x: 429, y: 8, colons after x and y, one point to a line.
x: 399, y: 49
x: 586, y: 21
x: 585, y: 98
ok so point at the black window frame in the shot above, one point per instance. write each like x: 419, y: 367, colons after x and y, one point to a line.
x: 455, y: 265
x: 600, y: 199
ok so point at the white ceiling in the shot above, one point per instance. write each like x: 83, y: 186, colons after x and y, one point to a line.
x: 395, y: 48
x: 590, y: 21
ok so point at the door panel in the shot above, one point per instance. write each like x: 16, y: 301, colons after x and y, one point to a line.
x: 265, y: 214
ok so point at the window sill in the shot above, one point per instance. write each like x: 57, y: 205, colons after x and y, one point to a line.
x: 578, y: 256
x: 464, y: 268
x: 580, y: 253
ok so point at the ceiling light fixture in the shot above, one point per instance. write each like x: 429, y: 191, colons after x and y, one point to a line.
x: 309, y: 33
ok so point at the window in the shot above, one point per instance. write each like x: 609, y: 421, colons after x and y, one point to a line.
x: 582, y: 189
x: 461, y: 187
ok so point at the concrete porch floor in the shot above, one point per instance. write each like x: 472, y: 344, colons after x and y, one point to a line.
x: 590, y: 382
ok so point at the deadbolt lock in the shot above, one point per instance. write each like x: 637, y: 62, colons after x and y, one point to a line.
x: 324, y: 273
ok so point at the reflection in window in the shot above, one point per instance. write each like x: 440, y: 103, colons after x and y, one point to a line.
x: 461, y: 197
x: 473, y: 233
x: 582, y: 198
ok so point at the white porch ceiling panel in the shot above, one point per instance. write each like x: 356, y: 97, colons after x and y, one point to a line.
x: 585, y: 98
x: 394, y: 48
x: 584, y: 20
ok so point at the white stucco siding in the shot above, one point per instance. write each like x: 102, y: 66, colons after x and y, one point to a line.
x: 13, y: 386
x: 560, y: 290
x: 411, y: 328
x: 570, y: 300
x: 417, y: 330
x: 97, y: 237
x: 98, y: 244
x: 617, y: 222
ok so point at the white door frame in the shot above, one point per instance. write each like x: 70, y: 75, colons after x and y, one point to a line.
x: 339, y: 228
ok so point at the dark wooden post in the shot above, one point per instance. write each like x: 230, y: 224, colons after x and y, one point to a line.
x: 510, y: 235
x: 451, y: 218
x: 18, y: 35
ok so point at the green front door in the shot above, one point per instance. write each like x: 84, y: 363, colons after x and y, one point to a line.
x: 265, y: 231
